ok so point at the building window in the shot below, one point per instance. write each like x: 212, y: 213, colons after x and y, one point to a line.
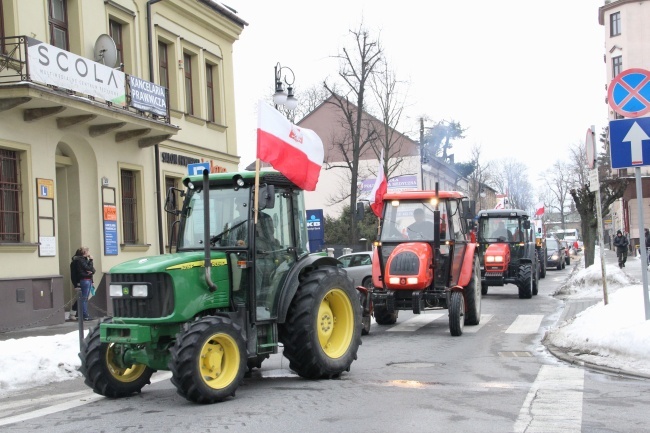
x: 10, y: 193
x: 129, y: 207
x: 163, y: 65
x: 58, y: 21
x: 115, y: 31
x: 187, y: 67
x: 172, y: 182
x: 210, y: 91
x: 617, y: 65
x: 615, y: 24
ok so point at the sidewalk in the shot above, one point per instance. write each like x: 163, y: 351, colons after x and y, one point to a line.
x: 46, y: 331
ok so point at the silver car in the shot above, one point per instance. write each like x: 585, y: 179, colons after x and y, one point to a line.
x: 359, y: 267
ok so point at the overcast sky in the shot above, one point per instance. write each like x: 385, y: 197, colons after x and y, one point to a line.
x: 527, y: 79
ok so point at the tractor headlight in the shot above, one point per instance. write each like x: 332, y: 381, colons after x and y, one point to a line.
x: 140, y: 291
x: 412, y: 280
x: 114, y: 290
x: 393, y: 280
x: 494, y: 259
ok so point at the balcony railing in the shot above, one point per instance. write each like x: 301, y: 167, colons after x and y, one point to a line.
x: 15, y: 68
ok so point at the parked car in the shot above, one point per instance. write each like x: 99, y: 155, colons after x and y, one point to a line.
x: 359, y: 267
x: 556, y: 253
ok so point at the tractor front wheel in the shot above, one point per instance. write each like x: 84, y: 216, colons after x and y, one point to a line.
x: 208, y: 360
x: 525, y: 281
x: 383, y: 317
x: 473, y: 296
x: 322, y: 332
x: 484, y: 288
x: 106, y: 373
x: 456, y: 314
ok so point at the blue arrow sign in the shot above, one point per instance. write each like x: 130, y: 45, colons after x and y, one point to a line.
x: 629, y: 142
x: 197, y: 169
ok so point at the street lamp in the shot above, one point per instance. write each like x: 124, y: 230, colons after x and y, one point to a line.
x: 280, y: 97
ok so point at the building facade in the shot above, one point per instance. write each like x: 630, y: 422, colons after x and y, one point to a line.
x: 627, y: 45
x: 102, y: 107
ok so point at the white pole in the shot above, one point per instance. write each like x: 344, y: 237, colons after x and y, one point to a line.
x: 644, y: 258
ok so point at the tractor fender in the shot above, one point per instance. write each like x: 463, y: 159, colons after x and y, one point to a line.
x: 291, y: 283
x: 468, y: 265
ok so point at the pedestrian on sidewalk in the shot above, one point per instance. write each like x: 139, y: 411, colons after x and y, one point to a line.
x: 647, y: 244
x: 621, y: 243
x: 82, y: 271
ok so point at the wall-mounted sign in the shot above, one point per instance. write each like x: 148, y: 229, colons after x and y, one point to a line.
x: 51, y: 65
x: 110, y: 212
x: 147, y: 96
x: 110, y: 238
x: 45, y: 188
x: 46, y: 246
x: 110, y: 221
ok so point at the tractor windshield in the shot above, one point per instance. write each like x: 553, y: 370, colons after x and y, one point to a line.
x: 229, y: 215
x: 413, y: 220
x: 500, y: 230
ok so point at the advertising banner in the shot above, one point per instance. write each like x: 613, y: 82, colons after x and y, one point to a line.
x: 56, y: 67
x: 315, y: 230
x: 147, y: 96
x: 397, y: 183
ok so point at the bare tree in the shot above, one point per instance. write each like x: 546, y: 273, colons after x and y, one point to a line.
x: 479, y: 177
x: 559, y: 181
x: 357, y: 66
x: 509, y: 176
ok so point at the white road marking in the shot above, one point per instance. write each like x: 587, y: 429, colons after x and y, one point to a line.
x: 525, y: 324
x: 473, y: 329
x: 554, y: 402
x: 83, y: 398
x: 416, y: 322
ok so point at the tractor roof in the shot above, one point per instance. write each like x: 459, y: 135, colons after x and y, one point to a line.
x: 421, y: 195
x: 271, y: 177
x: 502, y: 213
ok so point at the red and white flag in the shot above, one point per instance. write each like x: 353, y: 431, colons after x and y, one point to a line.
x: 379, y: 188
x: 293, y: 151
x: 539, y: 209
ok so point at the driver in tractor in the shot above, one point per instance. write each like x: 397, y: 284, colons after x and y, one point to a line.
x: 502, y: 233
x: 420, y: 229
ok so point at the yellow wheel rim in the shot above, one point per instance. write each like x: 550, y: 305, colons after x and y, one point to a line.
x: 123, y: 374
x: 335, y: 323
x: 219, y: 361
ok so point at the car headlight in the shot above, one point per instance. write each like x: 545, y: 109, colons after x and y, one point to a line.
x: 115, y: 291
x: 555, y: 257
x: 140, y: 291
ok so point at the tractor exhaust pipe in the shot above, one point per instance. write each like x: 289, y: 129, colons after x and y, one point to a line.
x: 207, y: 264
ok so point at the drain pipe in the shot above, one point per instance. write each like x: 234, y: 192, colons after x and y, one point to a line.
x: 161, y: 246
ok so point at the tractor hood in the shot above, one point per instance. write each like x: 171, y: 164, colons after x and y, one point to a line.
x: 409, y: 267
x: 166, y: 262
x: 496, y: 257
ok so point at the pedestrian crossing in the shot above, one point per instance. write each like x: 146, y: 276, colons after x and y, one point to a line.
x: 523, y: 324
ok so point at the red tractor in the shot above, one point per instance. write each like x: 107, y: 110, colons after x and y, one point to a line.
x: 425, y: 259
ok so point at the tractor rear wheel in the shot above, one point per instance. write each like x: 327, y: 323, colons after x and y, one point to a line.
x: 208, y: 360
x: 535, y: 277
x: 322, y: 332
x: 456, y: 314
x: 473, y: 296
x: 383, y: 317
x: 525, y: 281
x: 542, y: 260
x: 105, y: 373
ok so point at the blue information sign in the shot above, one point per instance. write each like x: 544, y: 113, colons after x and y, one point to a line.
x: 315, y: 230
x: 197, y: 169
x: 110, y: 238
x: 629, y: 142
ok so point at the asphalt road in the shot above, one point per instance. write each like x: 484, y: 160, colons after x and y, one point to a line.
x: 412, y: 376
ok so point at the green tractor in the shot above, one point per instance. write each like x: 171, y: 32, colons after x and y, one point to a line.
x: 240, y: 284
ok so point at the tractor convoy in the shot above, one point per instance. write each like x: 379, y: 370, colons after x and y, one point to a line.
x: 241, y: 284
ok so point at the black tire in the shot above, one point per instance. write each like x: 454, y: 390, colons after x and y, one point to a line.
x: 563, y: 264
x: 535, y: 289
x: 456, y: 313
x: 484, y: 288
x: 473, y: 296
x: 322, y: 332
x: 365, y: 325
x: 103, y: 372
x: 367, y: 283
x: 208, y: 360
x: 524, y: 282
x: 559, y: 265
x: 542, y: 260
x: 383, y: 317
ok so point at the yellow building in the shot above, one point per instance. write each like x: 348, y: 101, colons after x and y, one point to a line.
x: 103, y: 104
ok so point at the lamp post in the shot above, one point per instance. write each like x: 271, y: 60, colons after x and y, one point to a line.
x: 280, y: 97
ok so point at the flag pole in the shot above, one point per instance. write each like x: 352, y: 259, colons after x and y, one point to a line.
x: 257, y: 188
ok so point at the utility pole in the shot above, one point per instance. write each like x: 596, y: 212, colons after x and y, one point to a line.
x: 422, y: 153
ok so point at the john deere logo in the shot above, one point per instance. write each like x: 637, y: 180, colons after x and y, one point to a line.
x: 125, y: 290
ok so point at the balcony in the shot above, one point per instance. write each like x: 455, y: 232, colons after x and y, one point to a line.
x: 44, y: 81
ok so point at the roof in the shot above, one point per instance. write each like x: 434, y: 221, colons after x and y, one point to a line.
x: 502, y: 213
x: 422, y: 195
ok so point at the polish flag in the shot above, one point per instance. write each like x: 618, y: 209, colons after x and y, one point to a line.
x: 379, y: 188
x: 539, y: 209
x: 293, y: 151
